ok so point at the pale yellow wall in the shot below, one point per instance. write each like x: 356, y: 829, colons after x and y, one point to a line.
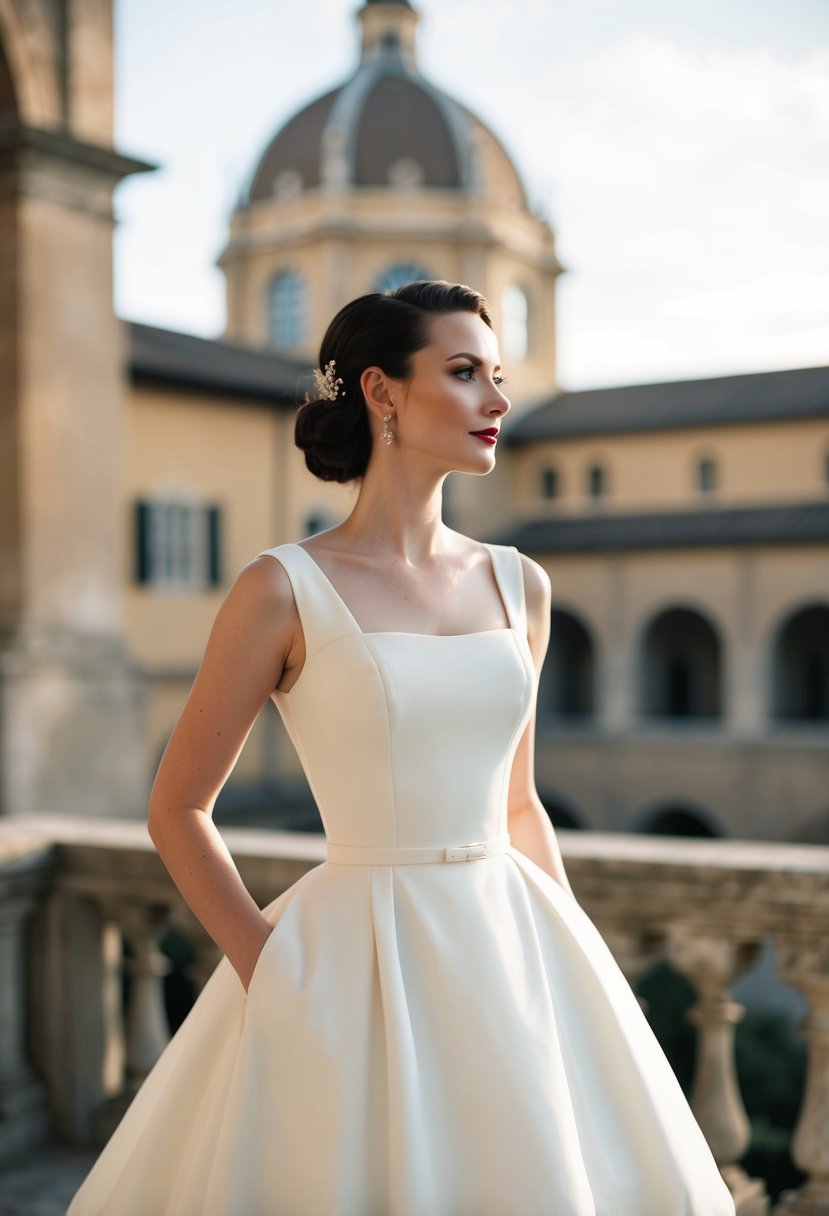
x: 223, y: 452
x: 757, y: 463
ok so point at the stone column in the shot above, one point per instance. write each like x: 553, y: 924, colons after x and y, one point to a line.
x: 806, y: 967
x: 71, y: 731
x: 712, y: 963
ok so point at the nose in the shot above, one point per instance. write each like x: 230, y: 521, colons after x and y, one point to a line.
x: 499, y: 403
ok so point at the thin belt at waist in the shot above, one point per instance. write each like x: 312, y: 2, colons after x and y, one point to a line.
x: 359, y: 855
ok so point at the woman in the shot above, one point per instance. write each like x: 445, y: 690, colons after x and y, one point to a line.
x: 403, y: 1036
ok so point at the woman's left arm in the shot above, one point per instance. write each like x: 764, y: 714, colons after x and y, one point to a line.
x: 529, y: 824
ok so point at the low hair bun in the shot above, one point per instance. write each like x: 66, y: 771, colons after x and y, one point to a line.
x: 335, y: 438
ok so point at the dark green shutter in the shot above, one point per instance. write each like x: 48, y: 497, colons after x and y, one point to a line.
x: 142, y: 566
x: 214, y: 543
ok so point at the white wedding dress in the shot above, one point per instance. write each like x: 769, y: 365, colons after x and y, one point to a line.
x: 432, y: 1029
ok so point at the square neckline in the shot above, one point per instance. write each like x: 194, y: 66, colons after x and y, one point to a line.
x: 405, y: 633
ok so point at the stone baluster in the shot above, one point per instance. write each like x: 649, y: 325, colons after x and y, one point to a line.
x: 805, y: 965
x: 24, y: 1119
x: 146, y: 1031
x: 712, y: 964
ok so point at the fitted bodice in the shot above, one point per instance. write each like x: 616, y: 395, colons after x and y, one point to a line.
x: 406, y: 739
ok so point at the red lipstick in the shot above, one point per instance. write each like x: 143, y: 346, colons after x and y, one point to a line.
x: 488, y: 435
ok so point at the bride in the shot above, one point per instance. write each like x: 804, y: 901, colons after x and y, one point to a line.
x: 396, y: 1034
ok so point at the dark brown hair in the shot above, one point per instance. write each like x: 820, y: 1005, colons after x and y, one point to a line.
x: 382, y: 330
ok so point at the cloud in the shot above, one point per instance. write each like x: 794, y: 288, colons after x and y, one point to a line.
x: 692, y: 199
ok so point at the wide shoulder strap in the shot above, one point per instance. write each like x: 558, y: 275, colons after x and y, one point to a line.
x: 506, y: 562
x: 323, y: 615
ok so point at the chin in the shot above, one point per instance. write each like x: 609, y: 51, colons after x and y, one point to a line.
x: 475, y: 468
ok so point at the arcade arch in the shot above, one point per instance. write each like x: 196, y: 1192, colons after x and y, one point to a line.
x: 680, y: 666
x: 679, y: 819
x: 800, y: 665
x: 568, y: 679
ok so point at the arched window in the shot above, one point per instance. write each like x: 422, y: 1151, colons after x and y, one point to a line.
x: 706, y: 475
x: 549, y: 482
x: 398, y: 275
x: 568, y: 677
x: 679, y: 819
x: 287, y: 311
x: 596, y: 481
x: 681, y: 666
x: 801, y: 666
x: 515, y: 323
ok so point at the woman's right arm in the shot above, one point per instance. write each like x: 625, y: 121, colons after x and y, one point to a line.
x: 255, y: 639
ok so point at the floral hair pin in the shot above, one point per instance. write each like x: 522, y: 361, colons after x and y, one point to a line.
x: 326, y: 384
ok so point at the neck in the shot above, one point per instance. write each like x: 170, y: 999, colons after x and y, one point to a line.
x: 398, y: 511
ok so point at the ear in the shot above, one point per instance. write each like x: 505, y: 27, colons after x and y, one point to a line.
x: 377, y: 390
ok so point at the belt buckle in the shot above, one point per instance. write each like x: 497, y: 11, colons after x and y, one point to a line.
x: 467, y: 852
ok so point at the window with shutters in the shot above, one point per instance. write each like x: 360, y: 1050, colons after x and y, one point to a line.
x: 177, y: 545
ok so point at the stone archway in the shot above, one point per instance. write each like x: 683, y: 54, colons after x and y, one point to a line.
x: 681, y: 666
x: 800, y: 689
x: 814, y: 829
x: 568, y: 678
x: 679, y: 819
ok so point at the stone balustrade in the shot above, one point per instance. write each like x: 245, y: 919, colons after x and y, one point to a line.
x: 83, y: 904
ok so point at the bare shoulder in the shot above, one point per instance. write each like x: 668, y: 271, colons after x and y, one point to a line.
x: 263, y: 587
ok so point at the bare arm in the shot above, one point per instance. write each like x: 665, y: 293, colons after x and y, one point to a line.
x: 253, y: 641
x: 529, y: 824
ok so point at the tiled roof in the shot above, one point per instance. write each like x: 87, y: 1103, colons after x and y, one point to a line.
x: 210, y: 366
x: 800, y: 523
x: 719, y: 401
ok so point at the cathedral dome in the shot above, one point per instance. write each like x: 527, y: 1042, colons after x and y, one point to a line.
x: 386, y: 126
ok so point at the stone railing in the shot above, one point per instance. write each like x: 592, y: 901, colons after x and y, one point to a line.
x: 82, y: 1015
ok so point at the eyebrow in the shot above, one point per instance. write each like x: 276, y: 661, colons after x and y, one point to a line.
x: 465, y: 354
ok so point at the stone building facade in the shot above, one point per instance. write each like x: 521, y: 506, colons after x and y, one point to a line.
x: 684, y: 526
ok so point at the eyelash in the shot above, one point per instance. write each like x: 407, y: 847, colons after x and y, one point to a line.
x: 459, y: 371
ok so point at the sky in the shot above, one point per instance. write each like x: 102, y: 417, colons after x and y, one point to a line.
x: 680, y: 151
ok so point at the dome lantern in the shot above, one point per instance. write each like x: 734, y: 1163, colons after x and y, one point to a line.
x: 381, y: 180
x: 389, y: 28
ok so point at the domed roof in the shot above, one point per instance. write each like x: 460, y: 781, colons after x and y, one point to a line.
x: 386, y: 126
